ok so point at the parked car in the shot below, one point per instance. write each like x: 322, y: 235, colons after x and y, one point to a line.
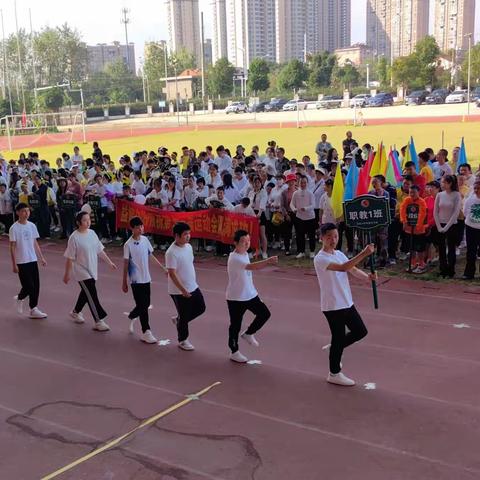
x: 236, y: 107
x: 291, y: 105
x: 416, y: 97
x: 275, y: 105
x: 330, y: 101
x: 380, y: 100
x: 360, y: 100
x: 475, y: 95
x: 437, y: 96
x: 458, y: 96
x: 478, y: 102
x: 259, y: 107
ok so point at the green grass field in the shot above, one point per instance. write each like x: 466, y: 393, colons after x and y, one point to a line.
x: 297, y: 142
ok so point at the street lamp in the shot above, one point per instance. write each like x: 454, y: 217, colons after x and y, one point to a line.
x: 469, y: 35
x: 368, y: 76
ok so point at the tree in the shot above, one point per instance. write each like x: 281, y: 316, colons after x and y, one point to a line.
x: 426, y: 54
x: 154, y: 67
x: 292, y: 75
x: 321, y: 68
x: 51, y: 100
x: 346, y: 76
x: 382, y: 71
x: 404, y: 71
x: 182, y: 59
x: 220, y: 77
x: 258, y: 75
x: 474, y: 65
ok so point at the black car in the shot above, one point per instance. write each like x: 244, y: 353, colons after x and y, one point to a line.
x: 381, y: 100
x: 275, y: 105
x: 437, y: 96
x: 416, y: 98
x: 259, y: 107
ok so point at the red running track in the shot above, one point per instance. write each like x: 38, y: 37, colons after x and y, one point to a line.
x: 35, y: 141
x: 66, y: 390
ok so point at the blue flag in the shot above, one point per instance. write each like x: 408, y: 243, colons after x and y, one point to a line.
x: 413, y: 155
x: 462, y: 156
x: 351, y: 181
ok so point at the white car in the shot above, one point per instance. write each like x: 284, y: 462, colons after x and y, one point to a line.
x: 360, y: 100
x: 291, y: 105
x: 458, y: 96
x: 236, y: 107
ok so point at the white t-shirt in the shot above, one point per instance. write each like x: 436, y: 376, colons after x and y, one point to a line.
x: 335, y: 293
x: 24, y: 236
x: 181, y: 259
x: 137, y: 253
x: 240, y: 281
x: 83, y: 250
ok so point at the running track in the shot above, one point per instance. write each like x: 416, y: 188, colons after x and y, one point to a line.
x: 66, y: 390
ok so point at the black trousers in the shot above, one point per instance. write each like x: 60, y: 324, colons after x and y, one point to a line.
x: 338, y: 320
x: 447, y: 243
x: 394, y: 232
x: 67, y: 221
x: 141, y: 295
x: 342, y: 228
x: 43, y: 220
x: 236, y: 310
x: 287, y: 230
x: 88, y: 294
x: 30, y: 282
x: 473, y: 244
x: 7, y: 220
x: 302, y: 228
x: 188, y: 309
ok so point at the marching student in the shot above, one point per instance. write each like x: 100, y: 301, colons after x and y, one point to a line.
x: 24, y: 252
x: 136, y: 252
x: 83, y: 250
x: 182, y: 283
x: 242, y: 296
x: 336, y: 301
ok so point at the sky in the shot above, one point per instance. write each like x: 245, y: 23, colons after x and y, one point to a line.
x: 100, y: 21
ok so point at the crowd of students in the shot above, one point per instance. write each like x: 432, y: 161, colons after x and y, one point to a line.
x: 290, y: 197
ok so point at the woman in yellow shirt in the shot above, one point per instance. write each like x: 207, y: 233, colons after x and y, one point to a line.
x: 425, y: 169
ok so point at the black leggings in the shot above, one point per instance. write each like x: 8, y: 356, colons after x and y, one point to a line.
x: 141, y: 295
x: 338, y: 320
x: 237, y: 310
x: 89, y: 295
x: 447, y: 243
x: 188, y: 309
x: 302, y: 228
x: 30, y: 282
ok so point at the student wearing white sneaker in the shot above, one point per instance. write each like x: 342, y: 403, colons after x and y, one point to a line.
x: 182, y: 283
x: 242, y: 295
x: 336, y: 300
x: 24, y: 253
x: 136, y: 252
x: 83, y: 250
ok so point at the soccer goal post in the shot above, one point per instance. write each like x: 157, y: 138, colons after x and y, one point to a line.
x: 41, y: 129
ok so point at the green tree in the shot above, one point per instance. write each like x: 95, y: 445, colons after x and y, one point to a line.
x: 258, y: 75
x: 404, y: 71
x: 51, y: 100
x: 474, y: 65
x: 220, y: 77
x: 321, y: 68
x: 182, y: 59
x: 382, y: 71
x: 346, y: 76
x: 426, y: 54
x: 292, y: 75
x: 154, y: 68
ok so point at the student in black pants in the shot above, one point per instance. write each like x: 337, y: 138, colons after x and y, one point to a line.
x: 182, y: 284
x: 242, y: 295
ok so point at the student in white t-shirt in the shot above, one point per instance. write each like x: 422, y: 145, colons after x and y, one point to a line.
x: 24, y: 249
x: 83, y: 250
x: 242, y: 295
x: 136, y: 253
x: 336, y: 300
x: 182, y: 283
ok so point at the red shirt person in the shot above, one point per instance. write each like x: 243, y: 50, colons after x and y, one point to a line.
x: 418, y: 180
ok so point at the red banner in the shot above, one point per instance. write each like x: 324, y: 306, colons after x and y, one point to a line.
x: 212, y: 224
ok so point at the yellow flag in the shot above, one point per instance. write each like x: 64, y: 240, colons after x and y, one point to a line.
x: 337, y: 194
x: 376, y: 165
x: 406, y: 158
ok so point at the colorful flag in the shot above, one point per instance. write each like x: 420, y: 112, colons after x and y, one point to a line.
x: 407, y: 157
x: 397, y: 170
x: 351, y: 182
x: 413, y: 155
x: 363, y: 184
x: 376, y: 167
x: 337, y: 194
x: 462, y: 156
x: 383, y: 160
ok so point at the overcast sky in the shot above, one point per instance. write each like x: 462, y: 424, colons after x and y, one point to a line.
x: 99, y: 20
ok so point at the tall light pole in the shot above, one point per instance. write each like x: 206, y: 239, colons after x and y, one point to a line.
x: 125, y: 20
x: 6, y: 76
x: 20, y: 73
x: 469, y: 35
x: 202, y: 63
x: 368, y: 76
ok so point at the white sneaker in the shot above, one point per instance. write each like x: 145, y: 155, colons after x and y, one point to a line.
x: 163, y: 247
x: 77, y: 317
x: 131, y: 327
x: 208, y: 248
x: 238, y: 357
x: 148, y: 337
x: 312, y: 255
x: 37, y: 313
x: 186, y: 345
x: 300, y: 255
x: 340, y: 379
x: 19, y: 304
x: 101, y: 326
x: 250, y: 339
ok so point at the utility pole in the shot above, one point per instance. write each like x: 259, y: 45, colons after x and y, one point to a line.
x: 469, y: 35
x: 6, y: 76
x: 33, y: 61
x: 125, y: 20
x: 20, y: 73
x: 202, y: 63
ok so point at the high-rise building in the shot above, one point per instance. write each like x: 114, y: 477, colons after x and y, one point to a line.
x: 310, y: 26
x: 183, y: 20
x: 100, y: 55
x: 454, y: 19
x: 251, y: 31
x: 219, y: 41
x: 394, y: 27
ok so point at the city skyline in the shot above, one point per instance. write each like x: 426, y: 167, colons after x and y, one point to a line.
x: 141, y: 28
